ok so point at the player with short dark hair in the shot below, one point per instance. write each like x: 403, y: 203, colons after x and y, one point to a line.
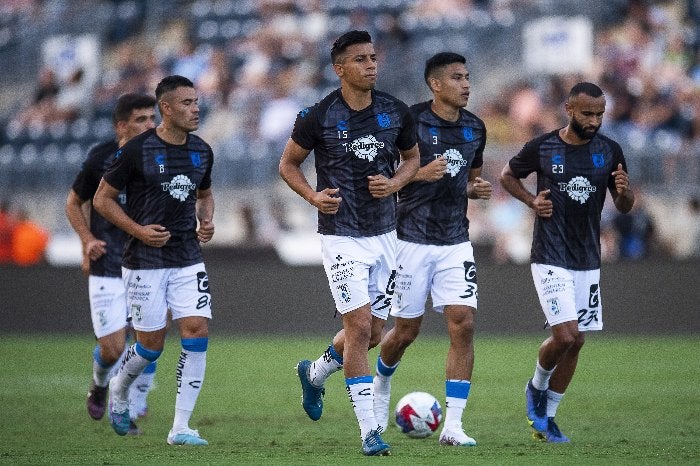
x: 434, y: 252
x: 102, y: 245
x: 575, y: 166
x: 170, y: 209
x: 358, y: 136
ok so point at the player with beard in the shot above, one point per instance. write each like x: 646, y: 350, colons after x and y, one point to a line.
x: 575, y: 166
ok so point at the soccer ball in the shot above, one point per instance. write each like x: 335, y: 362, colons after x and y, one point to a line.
x: 418, y: 414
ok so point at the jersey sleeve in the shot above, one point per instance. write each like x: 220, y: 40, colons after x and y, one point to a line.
x: 119, y: 173
x: 407, y: 137
x: 526, y: 161
x: 478, y: 161
x: 305, y: 128
x: 206, y: 180
x: 618, y: 157
x: 88, y: 179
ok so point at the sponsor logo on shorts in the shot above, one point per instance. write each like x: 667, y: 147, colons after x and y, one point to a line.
x: 136, y: 312
x: 344, y: 293
x: 594, y: 296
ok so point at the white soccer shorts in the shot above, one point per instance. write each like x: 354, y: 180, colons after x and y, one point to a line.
x: 150, y: 293
x: 360, y: 271
x: 567, y: 295
x: 448, y: 273
x: 107, y: 304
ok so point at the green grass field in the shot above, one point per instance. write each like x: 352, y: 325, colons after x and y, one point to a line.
x: 634, y: 400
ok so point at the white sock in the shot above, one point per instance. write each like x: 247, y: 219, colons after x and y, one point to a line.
x: 456, y: 394
x: 322, y: 368
x: 138, y: 392
x: 541, y: 378
x: 361, y: 394
x: 190, y: 376
x: 553, y: 400
x: 101, y: 372
x: 382, y: 383
x: 133, y: 365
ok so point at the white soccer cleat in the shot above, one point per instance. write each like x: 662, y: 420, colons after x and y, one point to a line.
x: 456, y: 438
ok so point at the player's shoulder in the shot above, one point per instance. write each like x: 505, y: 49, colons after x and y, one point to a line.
x: 469, y: 118
x: 419, y: 109
x: 551, y: 136
x: 101, y: 151
x: 383, y: 98
x: 608, y: 141
x: 195, y: 142
x: 137, y: 142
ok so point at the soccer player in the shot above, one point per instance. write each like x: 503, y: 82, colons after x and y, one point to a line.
x: 102, y: 255
x: 434, y: 252
x: 167, y: 174
x: 358, y: 135
x: 575, y: 165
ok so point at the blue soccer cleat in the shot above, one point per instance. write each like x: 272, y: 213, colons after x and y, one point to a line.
x: 118, y: 413
x: 186, y: 437
x: 536, y: 402
x: 374, y: 445
x: 311, y: 395
x: 553, y: 434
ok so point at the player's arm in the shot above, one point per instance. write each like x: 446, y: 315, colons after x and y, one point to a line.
x: 432, y: 171
x: 77, y: 214
x: 478, y: 188
x: 622, y: 195
x: 205, y: 214
x: 381, y: 186
x: 514, y: 185
x: 293, y: 156
x: 105, y: 203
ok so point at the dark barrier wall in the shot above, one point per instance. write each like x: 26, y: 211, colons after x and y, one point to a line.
x: 254, y: 293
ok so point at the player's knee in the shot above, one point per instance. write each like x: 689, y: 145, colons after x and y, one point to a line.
x: 405, y: 337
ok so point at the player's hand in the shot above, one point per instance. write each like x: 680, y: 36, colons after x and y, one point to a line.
x: 326, y: 201
x: 95, y: 248
x: 435, y: 170
x: 380, y: 186
x: 154, y: 235
x: 205, y: 230
x: 541, y: 205
x: 481, y: 188
x: 622, y: 182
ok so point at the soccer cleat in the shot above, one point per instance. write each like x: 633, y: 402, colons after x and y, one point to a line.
x: 373, y: 445
x: 134, y: 429
x: 186, y: 437
x: 382, y: 396
x: 456, y: 438
x: 536, y: 402
x: 553, y: 434
x: 96, y: 401
x: 311, y: 395
x: 118, y: 413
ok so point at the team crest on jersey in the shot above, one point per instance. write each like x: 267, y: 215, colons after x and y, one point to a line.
x: 179, y: 187
x: 578, y: 188
x: 468, y: 134
x: 304, y: 111
x: 366, y: 147
x: 384, y: 120
x: 196, y: 158
x: 598, y: 160
x: 455, y: 161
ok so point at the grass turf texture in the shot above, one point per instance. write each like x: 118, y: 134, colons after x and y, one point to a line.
x: 634, y: 400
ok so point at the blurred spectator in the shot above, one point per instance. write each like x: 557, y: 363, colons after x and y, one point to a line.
x: 685, y: 243
x: 29, y: 241
x: 7, y: 223
x: 636, y: 231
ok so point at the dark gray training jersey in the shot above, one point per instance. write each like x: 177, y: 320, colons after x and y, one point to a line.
x: 436, y: 212
x: 85, y: 185
x: 161, y: 182
x: 577, y: 177
x: 348, y: 147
